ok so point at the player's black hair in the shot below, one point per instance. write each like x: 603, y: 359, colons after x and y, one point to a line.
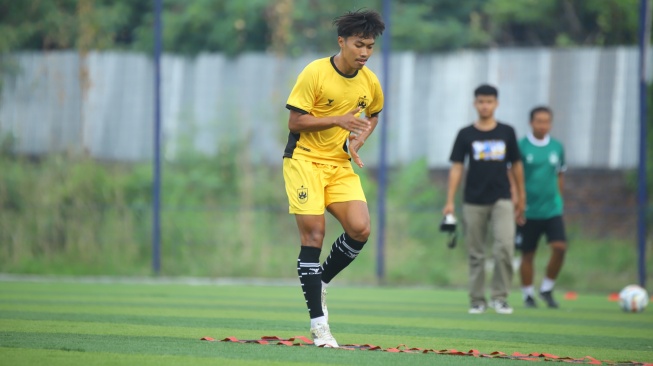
x: 364, y: 23
x: 486, y: 89
x: 541, y: 109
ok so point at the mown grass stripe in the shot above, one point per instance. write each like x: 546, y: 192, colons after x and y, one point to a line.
x: 20, y: 356
x: 484, y: 322
x: 258, y: 355
x: 150, y: 344
x: 533, y: 318
x: 553, y: 317
x: 158, y: 326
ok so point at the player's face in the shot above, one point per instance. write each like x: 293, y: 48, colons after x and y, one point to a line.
x: 486, y: 105
x: 541, y: 124
x: 355, y: 51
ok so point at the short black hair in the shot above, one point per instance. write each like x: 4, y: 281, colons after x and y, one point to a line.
x: 539, y: 109
x: 364, y: 23
x: 486, y: 89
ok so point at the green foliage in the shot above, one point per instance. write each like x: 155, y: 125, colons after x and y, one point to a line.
x: 412, y: 192
x: 562, y: 22
x: 221, y: 218
x: 299, y: 26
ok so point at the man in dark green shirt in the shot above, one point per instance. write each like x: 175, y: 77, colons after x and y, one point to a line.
x: 544, y: 163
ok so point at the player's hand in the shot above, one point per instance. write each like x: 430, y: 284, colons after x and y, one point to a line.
x: 355, y: 143
x: 448, y: 209
x: 352, y: 123
x: 520, y: 209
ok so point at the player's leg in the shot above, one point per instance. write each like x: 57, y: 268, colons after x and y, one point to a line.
x: 558, y: 250
x: 311, y: 232
x: 503, y: 248
x: 555, y: 234
x: 355, y: 220
x: 345, y: 200
x: 306, y: 200
x: 475, y: 221
x: 529, y: 234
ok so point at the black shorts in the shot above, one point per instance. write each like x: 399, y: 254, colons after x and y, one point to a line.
x: 529, y: 234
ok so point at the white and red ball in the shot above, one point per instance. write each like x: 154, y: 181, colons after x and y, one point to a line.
x: 633, y: 299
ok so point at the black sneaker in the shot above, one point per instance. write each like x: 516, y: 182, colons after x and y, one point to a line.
x: 547, y: 296
x: 529, y: 302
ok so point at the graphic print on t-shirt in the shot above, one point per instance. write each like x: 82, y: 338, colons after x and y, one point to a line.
x: 489, y: 150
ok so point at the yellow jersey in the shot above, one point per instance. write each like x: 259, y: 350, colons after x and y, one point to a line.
x: 322, y: 90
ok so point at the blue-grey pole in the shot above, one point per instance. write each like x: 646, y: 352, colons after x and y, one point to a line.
x: 156, y: 179
x: 380, y: 253
x: 642, y: 194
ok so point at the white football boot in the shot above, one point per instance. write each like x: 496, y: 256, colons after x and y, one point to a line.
x: 322, y: 336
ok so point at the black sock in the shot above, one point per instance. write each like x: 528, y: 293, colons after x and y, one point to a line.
x: 310, y: 275
x: 344, y: 251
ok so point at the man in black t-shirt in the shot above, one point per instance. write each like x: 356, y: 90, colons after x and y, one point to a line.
x: 491, y: 150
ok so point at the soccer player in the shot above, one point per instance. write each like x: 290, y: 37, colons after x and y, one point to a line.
x: 544, y: 164
x: 334, y: 107
x: 490, y: 147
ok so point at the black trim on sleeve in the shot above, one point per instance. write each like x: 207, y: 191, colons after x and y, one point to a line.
x: 293, y: 108
x: 375, y: 114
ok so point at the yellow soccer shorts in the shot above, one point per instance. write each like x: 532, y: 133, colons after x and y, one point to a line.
x: 311, y: 187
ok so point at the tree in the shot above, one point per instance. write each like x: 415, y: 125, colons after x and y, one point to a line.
x: 299, y: 26
x: 561, y: 22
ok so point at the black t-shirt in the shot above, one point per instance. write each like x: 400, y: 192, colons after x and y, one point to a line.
x: 488, y: 153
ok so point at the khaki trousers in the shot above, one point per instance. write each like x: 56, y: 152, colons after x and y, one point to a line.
x: 476, y: 220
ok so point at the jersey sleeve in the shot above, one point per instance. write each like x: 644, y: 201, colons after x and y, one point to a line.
x: 376, y: 106
x: 513, y: 153
x: 458, y: 151
x: 304, y: 94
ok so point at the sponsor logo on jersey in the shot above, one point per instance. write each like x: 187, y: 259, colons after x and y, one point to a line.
x: 489, y: 150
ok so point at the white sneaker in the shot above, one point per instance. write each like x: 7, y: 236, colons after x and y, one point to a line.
x: 324, y: 306
x: 501, y: 307
x: 322, y: 336
x: 477, y: 309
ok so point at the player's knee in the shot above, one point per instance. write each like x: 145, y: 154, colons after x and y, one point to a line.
x: 559, y: 247
x: 313, y: 238
x: 476, y: 259
x: 360, y: 233
x: 527, y: 257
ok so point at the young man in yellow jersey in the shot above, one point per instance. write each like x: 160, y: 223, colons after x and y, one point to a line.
x: 334, y: 107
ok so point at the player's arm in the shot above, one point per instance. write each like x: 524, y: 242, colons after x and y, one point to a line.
x: 304, y: 122
x: 513, y: 189
x: 561, y: 182
x: 517, y: 171
x: 356, y: 141
x: 455, y: 176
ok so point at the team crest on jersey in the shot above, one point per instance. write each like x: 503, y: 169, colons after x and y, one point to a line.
x: 553, y: 158
x: 302, y: 195
x: 362, y: 102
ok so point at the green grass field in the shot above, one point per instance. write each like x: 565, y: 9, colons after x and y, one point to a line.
x: 80, y: 323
